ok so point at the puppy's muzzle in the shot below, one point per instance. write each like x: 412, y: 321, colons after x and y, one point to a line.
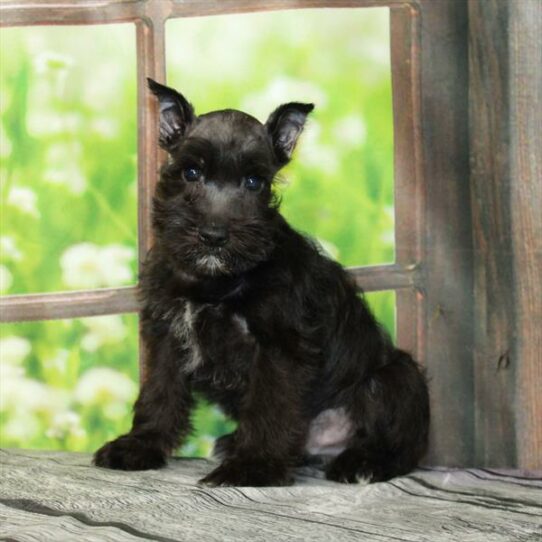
x: 214, y: 235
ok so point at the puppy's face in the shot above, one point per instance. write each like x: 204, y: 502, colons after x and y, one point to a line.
x: 214, y: 209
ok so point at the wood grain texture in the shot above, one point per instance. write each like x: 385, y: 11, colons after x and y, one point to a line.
x: 151, y: 62
x: 506, y: 185
x: 525, y: 56
x: 408, y: 177
x: 19, y: 13
x: 56, y: 496
x: 386, y: 277
x: 495, y: 438
x: 187, y: 8
x: 60, y: 305
x: 32, y: 12
x: 447, y: 239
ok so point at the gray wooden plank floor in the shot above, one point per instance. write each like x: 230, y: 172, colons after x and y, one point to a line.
x: 59, y: 496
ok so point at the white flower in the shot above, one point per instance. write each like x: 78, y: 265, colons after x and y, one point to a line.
x: 107, y: 388
x: 102, y: 330
x: 65, y: 424
x: 281, y: 90
x: 59, y: 361
x: 350, y: 130
x: 29, y: 395
x: 107, y: 128
x: 44, y: 117
x: 322, y: 157
x: 72, y: 178
x: 24, y: 199
x: 21, y: 427
x: 43, y: 123
x: 13, y: 350
x: 81, y: 266
x: 116, y: 259
x: 46, y: 122
x: 19, y: 393
x: 6, y: 279
x: 51, y: 61
x: 10, y: 373
x: 10, y: 376
x: 231, y: 62
x: 8, y: 248
x: 101, y: 91
x: 62, y: 153
x: 315, y: 154
x: 86, y: 265
x: 63, y: 167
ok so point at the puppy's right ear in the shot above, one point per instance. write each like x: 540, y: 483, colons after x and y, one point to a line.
x: 176, y: 114
x: 284, y: 126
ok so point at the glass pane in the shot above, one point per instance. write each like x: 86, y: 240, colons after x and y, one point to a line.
x: 67, y: 158
x: 67, y: 384
x: 71, y: 384
x: 383, y: 306
x: 339, y: 187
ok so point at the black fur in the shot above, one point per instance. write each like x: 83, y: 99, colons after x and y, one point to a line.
x: 242, y: 308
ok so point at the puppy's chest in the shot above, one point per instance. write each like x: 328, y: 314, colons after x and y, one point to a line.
x: 216, y: 342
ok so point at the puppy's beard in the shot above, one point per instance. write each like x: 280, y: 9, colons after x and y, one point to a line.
x: 211, y: 264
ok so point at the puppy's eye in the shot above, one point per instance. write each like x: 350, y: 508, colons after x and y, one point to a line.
x: 192, y: 173
x: 253, y: 182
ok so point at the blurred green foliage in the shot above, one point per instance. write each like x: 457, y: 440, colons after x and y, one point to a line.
x: 68, y: 187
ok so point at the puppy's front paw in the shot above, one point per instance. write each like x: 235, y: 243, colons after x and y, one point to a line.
x: 129, y: 453
x: 252, y: 473
x: 351, y: 467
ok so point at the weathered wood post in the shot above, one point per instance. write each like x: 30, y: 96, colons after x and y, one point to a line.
x: 430, y: 80
x: 505, y: 95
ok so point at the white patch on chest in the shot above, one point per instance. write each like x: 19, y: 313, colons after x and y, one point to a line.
x: 183, y: 328
x: 241, y: 323
x: 329, y: 432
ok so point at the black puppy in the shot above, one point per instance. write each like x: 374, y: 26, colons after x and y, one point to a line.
x: 242, y: 308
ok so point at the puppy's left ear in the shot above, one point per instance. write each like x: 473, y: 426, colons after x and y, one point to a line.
x: 285, y: 125
x: 176, y: 114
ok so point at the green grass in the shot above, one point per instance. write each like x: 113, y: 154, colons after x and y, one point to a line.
x: 68, y: 187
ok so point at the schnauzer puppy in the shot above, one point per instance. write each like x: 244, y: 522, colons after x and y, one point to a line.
x: 238, y: 306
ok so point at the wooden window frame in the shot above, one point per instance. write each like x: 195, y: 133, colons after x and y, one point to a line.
x: 441, y: 254
x: 150, y: 18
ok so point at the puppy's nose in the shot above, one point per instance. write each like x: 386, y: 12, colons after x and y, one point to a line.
x: 213, y: 235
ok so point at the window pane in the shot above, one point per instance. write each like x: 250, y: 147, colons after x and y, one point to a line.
x: 67, y: 158
x: 71, y: 384
x: 340, y: 185
x: 67, y: 384
x: 383, y: 306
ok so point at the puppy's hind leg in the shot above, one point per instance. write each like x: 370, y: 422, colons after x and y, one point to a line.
x: 391, y: 412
